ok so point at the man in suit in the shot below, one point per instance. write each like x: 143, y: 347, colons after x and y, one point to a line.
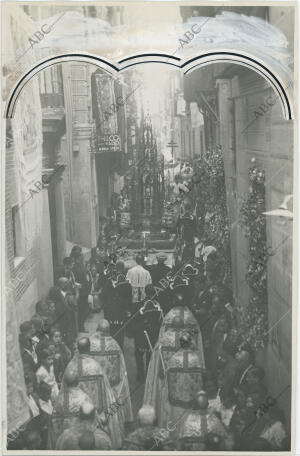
x: 65, y: 307
x: 84, y: 279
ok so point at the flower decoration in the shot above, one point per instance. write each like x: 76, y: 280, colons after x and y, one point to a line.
x: 253, y: 319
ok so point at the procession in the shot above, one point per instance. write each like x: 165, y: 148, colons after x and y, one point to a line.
x: 148, y: 234
x: 196, y: 380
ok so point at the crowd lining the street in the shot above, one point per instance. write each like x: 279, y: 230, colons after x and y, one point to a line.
x: 203, y: 390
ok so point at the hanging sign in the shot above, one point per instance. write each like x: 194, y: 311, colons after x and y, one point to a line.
x: 108, y: 143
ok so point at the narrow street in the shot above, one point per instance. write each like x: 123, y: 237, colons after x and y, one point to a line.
x: 149, y: 217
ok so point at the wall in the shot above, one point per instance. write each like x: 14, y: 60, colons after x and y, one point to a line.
x: 79, y: 184
x: 268, y: 139
x: 28, y: 274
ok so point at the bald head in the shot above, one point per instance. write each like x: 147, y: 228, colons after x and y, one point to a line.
x: 63, y: 283
x: 84, y: 345
x: 104, y: 327
x: 146, y: 414
x: 70, y: 378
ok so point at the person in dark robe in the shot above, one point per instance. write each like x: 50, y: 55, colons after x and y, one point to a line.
x: 219, y: 334
x: 160, y: 275
x: 187, y: 231
x: 41, y: 310
x: 147, y: 325
x: 65, y: 310
x: 66, y: 270
x: 160, y: 270
x: 228, y: 367
x: 46, y: 409
x: 82, y: 276
x: 118, y: 305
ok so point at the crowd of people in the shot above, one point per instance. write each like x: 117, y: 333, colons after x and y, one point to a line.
x: 202, y: 388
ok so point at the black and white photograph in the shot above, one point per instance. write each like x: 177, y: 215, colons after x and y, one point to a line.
x: 149, y: 215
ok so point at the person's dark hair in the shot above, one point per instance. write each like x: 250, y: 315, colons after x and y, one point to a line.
x: 39, y: 306
x: 86, y: 441
x: 149, y: 290
x: 258, y: 372
x: 43, y: 388
x: 45, y: 353
x: 53, y: 330
x: 25, y: 327
x: 139, y: 259
x: 30, y: 377
x: 84, y: 345
x: 76, y: 251
x: 227, y: 393
x: 67, y: 261
x: 94, y: 252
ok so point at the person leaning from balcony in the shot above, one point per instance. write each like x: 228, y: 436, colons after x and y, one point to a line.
x: 83, y: 277
x: 65, y: 305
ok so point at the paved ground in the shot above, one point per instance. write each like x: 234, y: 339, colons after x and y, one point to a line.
x: 136, y: 388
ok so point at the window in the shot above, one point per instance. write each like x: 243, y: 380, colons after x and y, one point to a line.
x: 17, y: 235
